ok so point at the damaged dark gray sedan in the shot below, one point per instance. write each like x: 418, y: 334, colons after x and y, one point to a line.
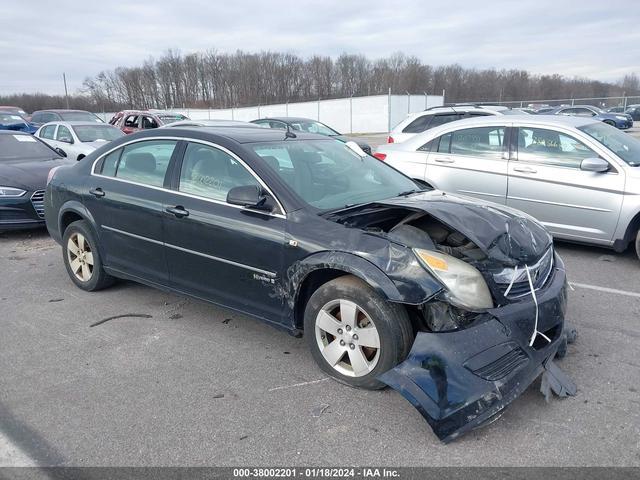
x: 456, y: 304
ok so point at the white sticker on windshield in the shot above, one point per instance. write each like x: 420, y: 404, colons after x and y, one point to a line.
x: 24, y: 138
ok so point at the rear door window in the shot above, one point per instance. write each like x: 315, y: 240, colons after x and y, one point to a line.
x: 48, y: 131
x: 485, y: 142
x: 145, y: 162
x: 131, y: 121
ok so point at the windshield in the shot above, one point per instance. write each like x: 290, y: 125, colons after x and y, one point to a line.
x: 10, y: 119
x: 79, y: 117
x: 328, y: 175
x: 13, y: 147
x: 92, y: 133
x: 313, y: 127
x: 620, y: 143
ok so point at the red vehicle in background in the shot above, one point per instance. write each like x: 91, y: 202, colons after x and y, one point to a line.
x: 130, y: 121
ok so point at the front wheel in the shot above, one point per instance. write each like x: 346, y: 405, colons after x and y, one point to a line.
x: 638, y: 244
x: 610, y: 122
x: 354, y: 334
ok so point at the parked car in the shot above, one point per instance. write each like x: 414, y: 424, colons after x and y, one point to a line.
x: 435, y: 116
x: 13, y: 109
x: 15, y: 122
x: 579, y: 177
x: 544, y: 110
x: 299, y: 124
x: 25, y: 162
x: 40, y: 117
x: 618, y: 120
x: 130, y: 121
x: 209, y: 123
x: 617, y: 109
x: 310, y: 236
x: 634, y: 111
x: 77, y: 139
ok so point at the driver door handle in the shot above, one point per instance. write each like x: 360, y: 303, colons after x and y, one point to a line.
x: 97, y: 192
x: 178, y: 211
x: 525, y: 169
x: 444, y: 160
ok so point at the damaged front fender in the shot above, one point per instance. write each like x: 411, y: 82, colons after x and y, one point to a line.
x: 460, y: 380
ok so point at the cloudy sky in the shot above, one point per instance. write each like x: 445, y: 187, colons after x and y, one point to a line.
x: 592, y: 38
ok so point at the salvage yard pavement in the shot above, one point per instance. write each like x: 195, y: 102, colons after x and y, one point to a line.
x: 135, y: 376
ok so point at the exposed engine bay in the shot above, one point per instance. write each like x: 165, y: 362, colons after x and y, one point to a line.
x: 418, y: 229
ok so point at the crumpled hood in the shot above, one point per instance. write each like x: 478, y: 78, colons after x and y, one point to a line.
x: 29, y: 174
x: 503, y: 233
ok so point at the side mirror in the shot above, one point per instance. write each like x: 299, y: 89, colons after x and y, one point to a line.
x: 60, y: 152
x: 250, y: 196
x: 597, y: 165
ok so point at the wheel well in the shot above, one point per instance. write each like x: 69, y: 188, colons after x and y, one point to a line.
x: 630, y: 234
x: 67, y: 219
x: 310, y: 284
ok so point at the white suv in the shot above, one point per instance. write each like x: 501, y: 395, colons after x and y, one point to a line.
x: 435, y: 116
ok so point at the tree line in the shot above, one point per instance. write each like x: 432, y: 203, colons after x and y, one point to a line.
x: 222, y: 80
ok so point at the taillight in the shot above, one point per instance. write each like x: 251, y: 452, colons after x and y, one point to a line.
x: 52, y: 172
x: 390, y: 139
x: 380, y: 156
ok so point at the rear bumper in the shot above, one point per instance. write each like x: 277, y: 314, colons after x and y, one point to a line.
x: 460, y: 380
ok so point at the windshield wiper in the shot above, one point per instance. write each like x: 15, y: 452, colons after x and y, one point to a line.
x: 411, y: 192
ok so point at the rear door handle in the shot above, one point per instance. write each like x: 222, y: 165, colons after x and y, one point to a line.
x: 444, y: 160
x: 525, y: 169
x: 178, y: 211
x: 97, y: 192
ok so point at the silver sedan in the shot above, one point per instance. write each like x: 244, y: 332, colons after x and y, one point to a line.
x: 579, y: 177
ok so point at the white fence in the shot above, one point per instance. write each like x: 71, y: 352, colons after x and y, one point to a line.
x: 371, y: 114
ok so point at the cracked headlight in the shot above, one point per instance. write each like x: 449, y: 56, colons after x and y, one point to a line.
x: 465, y: 285
x: 11, y: 192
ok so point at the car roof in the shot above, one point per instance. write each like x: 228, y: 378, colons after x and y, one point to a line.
x: 210, y: 123
x: 77, y: 123
x: 244, y: 134
x: 290, y: 119
x: 61, y: 110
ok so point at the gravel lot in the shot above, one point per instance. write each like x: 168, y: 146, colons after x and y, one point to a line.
x: 194, y: 384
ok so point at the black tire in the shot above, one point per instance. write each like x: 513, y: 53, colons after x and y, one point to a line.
x: 98, y: 278
x: 610, y: 122
x: 390, y: 320
x: 638, y: 244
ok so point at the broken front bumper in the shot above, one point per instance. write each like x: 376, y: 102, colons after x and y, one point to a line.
x: 459, y: 380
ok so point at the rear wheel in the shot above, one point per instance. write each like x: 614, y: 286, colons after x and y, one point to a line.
x: 82, y: 259
x: 354, y: 334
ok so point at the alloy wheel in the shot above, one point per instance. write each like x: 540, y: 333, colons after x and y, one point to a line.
x: 347, y: 338
x: 80, y: 257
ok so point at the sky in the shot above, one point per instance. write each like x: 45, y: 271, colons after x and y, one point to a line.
x: 39, y: 40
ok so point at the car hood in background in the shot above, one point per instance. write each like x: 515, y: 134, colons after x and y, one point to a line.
x: 28, y: 174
